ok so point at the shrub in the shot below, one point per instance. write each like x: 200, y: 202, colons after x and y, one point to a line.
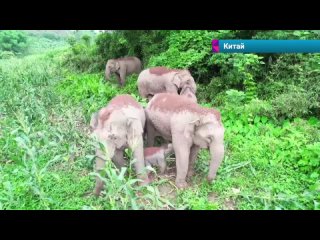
x: 292, y: 85
x: 111, y: 45
x: 82, y: 56
x: 14, y: 41
x: 6, y: 54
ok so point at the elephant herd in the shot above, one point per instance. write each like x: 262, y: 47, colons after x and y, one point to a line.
x: 172, y: 112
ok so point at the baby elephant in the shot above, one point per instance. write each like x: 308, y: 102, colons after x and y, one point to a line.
x: 156, y: 156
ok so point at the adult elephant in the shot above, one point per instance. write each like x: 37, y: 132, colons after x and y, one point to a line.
x: 162, y: 79
x: 123, y: 67
x: 190, y: 127
x: 118, y: 126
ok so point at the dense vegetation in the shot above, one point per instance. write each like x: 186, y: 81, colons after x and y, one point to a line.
x: 51, y: 84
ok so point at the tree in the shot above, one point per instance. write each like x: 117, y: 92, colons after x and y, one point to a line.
x: 13, y: 41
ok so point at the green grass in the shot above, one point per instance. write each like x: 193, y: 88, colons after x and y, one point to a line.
x: 42, y: 44
x: 46, y: 154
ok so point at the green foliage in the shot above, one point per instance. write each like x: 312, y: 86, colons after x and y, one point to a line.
x: 140, y: 43
x: 93, y: 92
x: 189, y: 49
x: 111, y: 45
x: 272, y: 144
x: 13, y: 41
x: 82, y: 56
x: 270, y: 152
x: 292, y: 85
x: 42, y: 44
x: 45, y: 149
x: 86, y: 39
x: 287, y: 35
x: 237, y: 71
x: 6, y: 54
x: 51, y: 36
x: 294, y: 102
x: 146, y: 43
x: 122, y: 191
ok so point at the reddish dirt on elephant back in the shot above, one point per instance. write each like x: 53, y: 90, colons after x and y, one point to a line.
x: 168, y: 102
x: 124, y: 100
x: 118, y: 102
x: 161, y: 70
x: 151, y: 151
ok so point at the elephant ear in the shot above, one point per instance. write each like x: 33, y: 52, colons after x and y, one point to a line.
x: 134, y: 132
x: 117, y: 65
x: 94, y: 121
x: 176, y: 80
x: 105, y: 114
x: 190, y: 129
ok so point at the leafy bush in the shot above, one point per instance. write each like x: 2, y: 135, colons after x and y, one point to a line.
x: 290, y: 34
x: 146, y: 43
x: 272, y: 157
x: 111, y: 45
x: 6, y: 54
x: 14, y: 41
x: 51, y: 36
x: 295, y: 102
x: 190, y: 49
x: 82, y: 56
x: 292, y: 85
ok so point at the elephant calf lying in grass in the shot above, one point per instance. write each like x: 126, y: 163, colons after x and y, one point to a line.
x: 156, y: 156
x: 118, y: 126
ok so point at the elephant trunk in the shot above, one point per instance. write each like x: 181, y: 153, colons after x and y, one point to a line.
x: 217, y: 154
x: 168, y: 150
x: 138, y: 155
x: 107, y: 74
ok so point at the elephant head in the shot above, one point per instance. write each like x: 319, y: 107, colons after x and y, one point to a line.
x: 188, y: 92
x: 109, y: 129
x: 208, y: 132
x: 183, y: 79
x: 111, y: 67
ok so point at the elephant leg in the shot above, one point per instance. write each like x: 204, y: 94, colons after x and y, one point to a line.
x: 118, y: 78
x: 118, y: 159
x: 122, y: 77
x: 182, y: 152
x: 151, y: 132
x: 162, y: 165
x: 100, y: 164
x: 217, y: 153
x: 193, y: 156
x: 148, y: 164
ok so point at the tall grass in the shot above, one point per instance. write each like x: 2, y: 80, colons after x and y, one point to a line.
x: 46, y: 154
x: 45, y: 150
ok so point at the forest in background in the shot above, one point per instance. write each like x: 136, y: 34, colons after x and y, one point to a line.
x: 52, y: 81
